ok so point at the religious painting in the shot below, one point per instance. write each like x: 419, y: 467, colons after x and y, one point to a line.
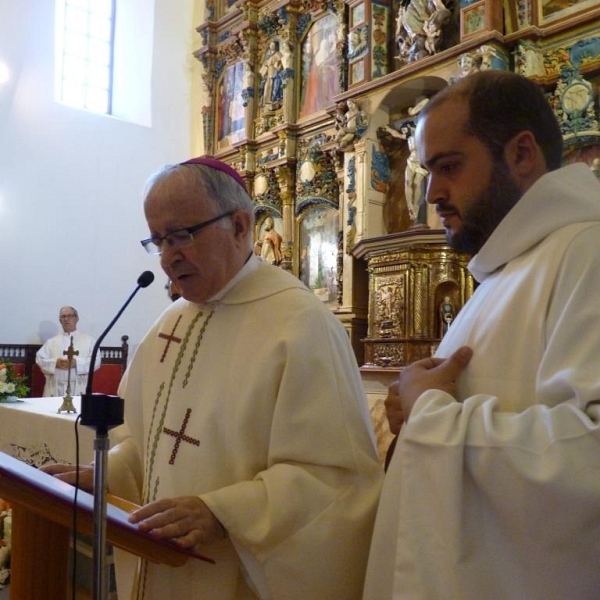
x: 357, y: 72
x: 231, y: 114
x: 318, y: 252
x: 320, y: 68
x: 472, y: 19
x: 357, y: 41
x: 550, y: 11
x: 357, y: 14
x: 222, y: 6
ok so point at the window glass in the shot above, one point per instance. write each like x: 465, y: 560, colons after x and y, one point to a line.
x: 85, y: 40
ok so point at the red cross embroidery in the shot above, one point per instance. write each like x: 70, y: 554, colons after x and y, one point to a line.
x: 169, y: 338
x: 180, y: 435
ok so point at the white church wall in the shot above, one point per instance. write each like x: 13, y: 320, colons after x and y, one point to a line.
x: 71, y: 181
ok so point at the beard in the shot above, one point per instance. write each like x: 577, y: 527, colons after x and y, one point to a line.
x: 482, y: 217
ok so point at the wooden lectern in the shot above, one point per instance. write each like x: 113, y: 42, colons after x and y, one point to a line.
x: 42, y: 518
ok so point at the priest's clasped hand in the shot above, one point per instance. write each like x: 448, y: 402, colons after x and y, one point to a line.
x: 420, y: 376
x: 185, y: 520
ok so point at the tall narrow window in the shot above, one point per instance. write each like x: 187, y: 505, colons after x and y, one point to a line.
x: 85, y: 47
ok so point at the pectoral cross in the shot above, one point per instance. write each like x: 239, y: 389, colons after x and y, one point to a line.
x: 67, y: 404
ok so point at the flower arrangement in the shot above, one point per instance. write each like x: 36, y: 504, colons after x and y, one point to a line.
x: 5, y: 542
x: 11, y: 384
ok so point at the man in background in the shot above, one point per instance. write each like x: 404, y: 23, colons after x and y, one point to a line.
x: 494, y: 490
x: 57, y: 367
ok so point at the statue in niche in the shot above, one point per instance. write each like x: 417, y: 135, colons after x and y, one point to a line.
x: 447, y: 314
x: 414, y: 174
x: 271, y: 72
x: 269, y: 245
x: 419, y: 28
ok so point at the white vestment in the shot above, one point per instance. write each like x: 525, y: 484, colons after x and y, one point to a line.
x: 497, y: 496
x: 56, y: 379
x: 254, y: 403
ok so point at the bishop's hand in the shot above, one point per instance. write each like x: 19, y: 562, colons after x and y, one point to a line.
x: 68, y: 474
x: 186, y: 520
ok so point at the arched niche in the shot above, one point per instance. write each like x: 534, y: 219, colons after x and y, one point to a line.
x: 393, y: 129
x: 317, y: 222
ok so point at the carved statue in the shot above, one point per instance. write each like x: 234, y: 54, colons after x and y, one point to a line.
x: 447, y: 314
x: 414, y: 174
x: 271, y: 73
x: 269, y: 246
x: 350, y: 124
x: 433, y: 29
x: 529, y: 59
x: 487, y: 57
x: 419, y: 28
x: 468, y: 63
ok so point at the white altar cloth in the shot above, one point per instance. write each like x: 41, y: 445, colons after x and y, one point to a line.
x: 33, y: 431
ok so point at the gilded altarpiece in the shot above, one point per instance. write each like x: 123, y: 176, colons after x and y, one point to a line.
x: 315, y: 104
x: 417, y: 285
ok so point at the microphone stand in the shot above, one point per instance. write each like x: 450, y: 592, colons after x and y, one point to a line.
x: 103, y: 412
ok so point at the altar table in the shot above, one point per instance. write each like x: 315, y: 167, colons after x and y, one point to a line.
x: 33, y: 431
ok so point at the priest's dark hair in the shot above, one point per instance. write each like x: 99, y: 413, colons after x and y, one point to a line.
x: 501, y: 105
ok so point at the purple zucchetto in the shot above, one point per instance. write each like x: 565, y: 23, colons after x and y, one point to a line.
x: 219, y: 165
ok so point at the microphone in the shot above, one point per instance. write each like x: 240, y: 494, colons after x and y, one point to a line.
x: 89, y: 415
x: 145, y: 279
x: 103, y: 412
